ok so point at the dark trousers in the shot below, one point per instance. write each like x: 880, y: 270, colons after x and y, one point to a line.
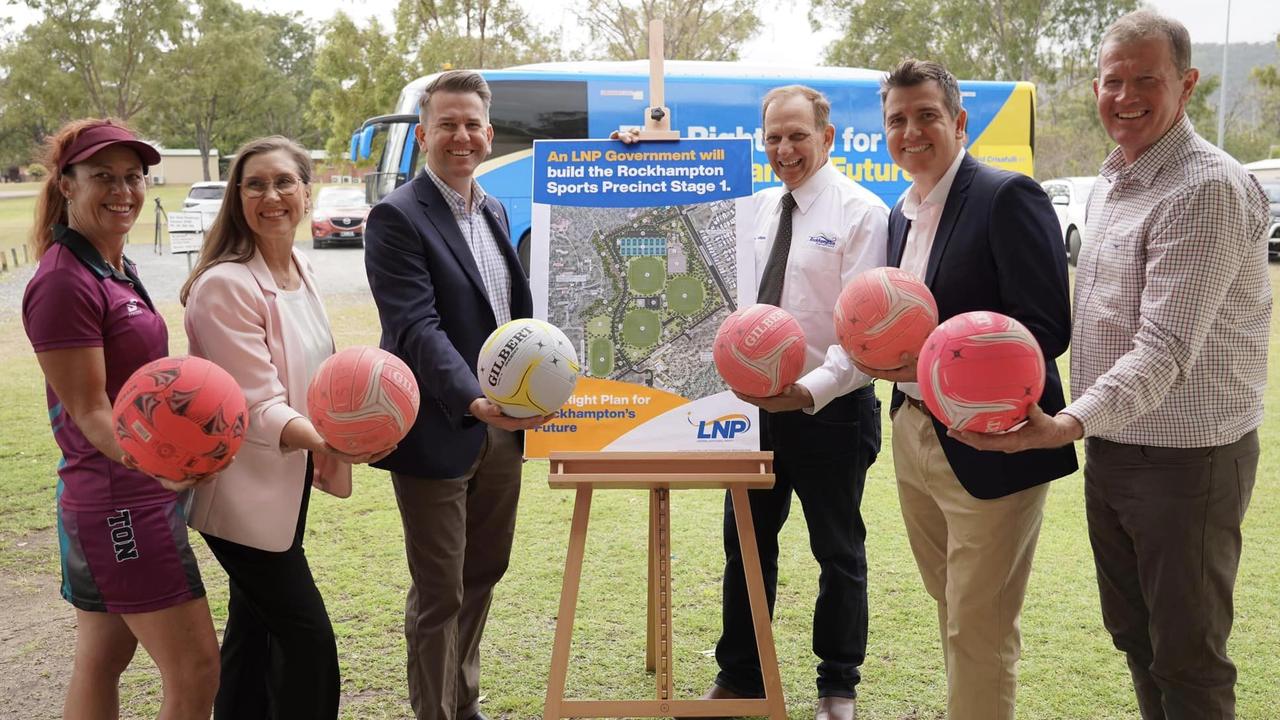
x: 279, y: 656
x: 823, y: 458
x: 457, y: 534
x: 1164, y: 524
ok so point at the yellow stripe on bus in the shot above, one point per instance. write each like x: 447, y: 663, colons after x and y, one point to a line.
x: 494, y: 163
x: 1005, y: 143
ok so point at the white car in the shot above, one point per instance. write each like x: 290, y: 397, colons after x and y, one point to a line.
x: 206, y: 199
x: 1070, y: 197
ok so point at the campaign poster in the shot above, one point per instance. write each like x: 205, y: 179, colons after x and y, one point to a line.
x: 639, y: 253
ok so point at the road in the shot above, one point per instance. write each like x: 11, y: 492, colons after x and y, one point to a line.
x: 339, y: 272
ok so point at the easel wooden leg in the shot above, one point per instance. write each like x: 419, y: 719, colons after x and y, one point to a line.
x: 663, y: 589
x: 759, y: 604
x: 568, y: 604
x: 651, y: 608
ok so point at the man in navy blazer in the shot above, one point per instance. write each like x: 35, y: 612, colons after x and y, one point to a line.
x: 444, y: 276
x: 981, y: 239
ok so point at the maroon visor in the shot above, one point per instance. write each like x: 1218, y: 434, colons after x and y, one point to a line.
x: 93, y: 139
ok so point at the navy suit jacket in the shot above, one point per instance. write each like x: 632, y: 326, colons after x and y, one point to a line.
x: 999, y: 248
x: 435, y: 316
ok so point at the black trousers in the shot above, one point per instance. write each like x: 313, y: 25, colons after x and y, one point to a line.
x: 823, y: 458
x: 279, y: 656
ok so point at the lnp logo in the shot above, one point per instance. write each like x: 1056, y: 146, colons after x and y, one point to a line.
x: 725, y: 427
x: 822, y: 241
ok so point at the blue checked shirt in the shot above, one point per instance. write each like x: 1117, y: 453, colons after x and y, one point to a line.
x: 484, y: 246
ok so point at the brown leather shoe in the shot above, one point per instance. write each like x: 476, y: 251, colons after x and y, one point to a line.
x: 716, y: 692
x: 837, y: 708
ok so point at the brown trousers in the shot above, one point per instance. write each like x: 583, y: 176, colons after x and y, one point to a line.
x: 1165, y: 528
x: 458, y: 534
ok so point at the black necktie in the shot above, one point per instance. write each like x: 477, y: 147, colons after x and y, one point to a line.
x: 775, y: 270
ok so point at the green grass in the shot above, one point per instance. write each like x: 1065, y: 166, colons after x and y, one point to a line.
x: 646, y: 275
x: 600, y: 358
x: 1069, y: 669
x: 685, y: 294
x: 641, y: 328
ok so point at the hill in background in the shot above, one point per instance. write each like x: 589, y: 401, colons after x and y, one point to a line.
x: 1241, y: 59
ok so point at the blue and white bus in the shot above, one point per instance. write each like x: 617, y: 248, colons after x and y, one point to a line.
x: 707, y: 99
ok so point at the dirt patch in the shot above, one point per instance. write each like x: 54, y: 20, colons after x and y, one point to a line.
x: 37, y: 640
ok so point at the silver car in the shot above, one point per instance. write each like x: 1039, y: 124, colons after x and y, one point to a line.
x: 1070, y: 197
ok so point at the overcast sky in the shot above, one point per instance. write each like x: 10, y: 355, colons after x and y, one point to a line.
x: 786, y: 38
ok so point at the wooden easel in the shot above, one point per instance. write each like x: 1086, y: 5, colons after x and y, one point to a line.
x: 660, y: 473
x: 657, y: 117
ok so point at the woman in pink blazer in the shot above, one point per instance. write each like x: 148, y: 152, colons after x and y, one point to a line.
x: 253, y: 308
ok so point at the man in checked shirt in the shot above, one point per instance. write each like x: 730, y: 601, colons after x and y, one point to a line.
x: 1168, y: 367
x: 444, y: 275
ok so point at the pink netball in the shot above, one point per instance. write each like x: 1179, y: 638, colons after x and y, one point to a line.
x: 180, y: 418
x: 882, y: 314
x: 363, y: 400
x: 759, y: 350
x: 980, y: 371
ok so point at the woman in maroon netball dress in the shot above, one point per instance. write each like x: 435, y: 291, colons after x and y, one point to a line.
x: 126, y: 564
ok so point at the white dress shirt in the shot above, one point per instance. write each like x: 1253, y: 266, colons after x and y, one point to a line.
x: 838, y: 230
x: 924, y: 216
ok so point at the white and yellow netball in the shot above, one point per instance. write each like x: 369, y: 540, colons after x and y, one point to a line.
x: 528, y: 367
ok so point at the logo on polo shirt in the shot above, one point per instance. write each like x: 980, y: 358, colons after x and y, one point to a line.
x: 131, y: 308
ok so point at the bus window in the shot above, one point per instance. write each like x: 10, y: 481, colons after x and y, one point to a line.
x: 526, y: 110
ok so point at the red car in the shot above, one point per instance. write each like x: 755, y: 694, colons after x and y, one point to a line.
x: 339, y: 217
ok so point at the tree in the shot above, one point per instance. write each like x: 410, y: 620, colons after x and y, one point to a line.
x: 1202, y: 113
x: 357, y: 75
x: 33, y: 101
x: 219, y: 85
x: 84, y: 58
x: 290, y: 52
x: 984, y: 39
x: 440, y: 34
x: 360, y: 71
x: 1052, y: 43
x: 691, y: 30
x: 110, y: 55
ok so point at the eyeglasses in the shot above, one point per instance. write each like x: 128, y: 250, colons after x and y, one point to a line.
x: 284, y: 185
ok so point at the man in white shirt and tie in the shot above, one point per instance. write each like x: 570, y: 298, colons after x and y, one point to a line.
x: 814, y: 234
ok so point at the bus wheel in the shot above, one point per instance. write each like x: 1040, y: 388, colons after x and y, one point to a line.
x: 522, y: 251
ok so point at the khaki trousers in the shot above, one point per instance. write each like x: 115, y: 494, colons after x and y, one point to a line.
x: 457, y: 534
x: 975, y: 558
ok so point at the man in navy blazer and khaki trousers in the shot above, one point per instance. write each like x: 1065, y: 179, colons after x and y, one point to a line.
x: 444, y: 276
x: 981, y: 239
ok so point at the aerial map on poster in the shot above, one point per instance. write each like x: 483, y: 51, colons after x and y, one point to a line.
x: 637, y: 258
